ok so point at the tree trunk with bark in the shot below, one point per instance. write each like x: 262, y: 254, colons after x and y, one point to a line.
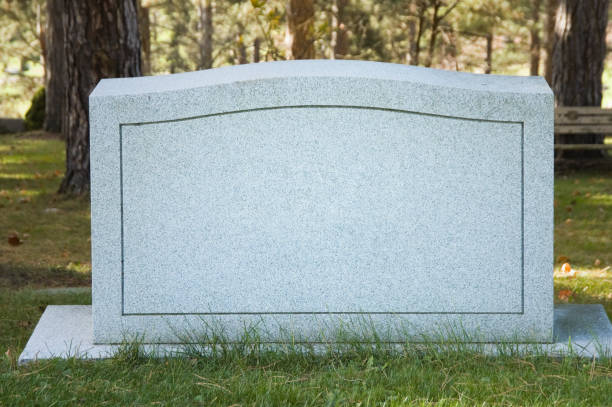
x: 578, y: 60
x: 144, y: 27
x: 101, y: 40
x: 300, y: 16
x: 54, y: 48
x: 206, y: 34
x: 256, y: 50
x: 339, y: 35
x: 489, y: 56
x: 411, y: 55
x: 436, y: 19
x: 551, y: 11
x: 534, y: 33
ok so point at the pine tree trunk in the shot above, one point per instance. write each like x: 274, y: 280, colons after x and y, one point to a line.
x: 339, y: 34
x: 256, y: 45
x: 551, y: 10
x: 144, y: 27
x: 578, y: 60
x: 206, y: 34
x: 534, y: 32
x: 100, y: 41
x: 411, y: 56
x: 54, y: 48
x: 489, y: 57
x: 300, y: 16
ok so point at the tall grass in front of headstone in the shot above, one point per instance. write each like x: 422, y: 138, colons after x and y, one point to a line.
x: 342, y: 337
x: 250, y: 372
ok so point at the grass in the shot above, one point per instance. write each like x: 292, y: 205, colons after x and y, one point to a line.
x: 55, y: 253
x: 54, y: 231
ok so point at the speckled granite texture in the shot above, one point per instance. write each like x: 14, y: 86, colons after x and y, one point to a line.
x: 295, y: 195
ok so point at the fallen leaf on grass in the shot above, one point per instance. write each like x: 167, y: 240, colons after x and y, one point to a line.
x: 563, y: 259
x: 14, y: 240
x: 566, y: 268
x: 564, y: 295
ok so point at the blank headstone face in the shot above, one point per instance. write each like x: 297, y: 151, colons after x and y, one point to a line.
x: 273, y: 193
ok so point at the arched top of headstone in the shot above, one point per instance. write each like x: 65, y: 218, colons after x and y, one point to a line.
x: 347, y: 69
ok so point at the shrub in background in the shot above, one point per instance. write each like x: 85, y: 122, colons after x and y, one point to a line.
x: 35, y: 116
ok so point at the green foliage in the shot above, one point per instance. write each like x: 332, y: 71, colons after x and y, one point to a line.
x: 35, y: 116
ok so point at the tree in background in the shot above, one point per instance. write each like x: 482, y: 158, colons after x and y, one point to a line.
x: 579, y: 52
x: 300, y: 29
x: 440, y: 10
x: 339, y: 35
x: 144, y: 29
x: 101, y: 41
x: 551, y: 11
x: 205, y: 27
x: 54, y: 80
x: 534, y: 33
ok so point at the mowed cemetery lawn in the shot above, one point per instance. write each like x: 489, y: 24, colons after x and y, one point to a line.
x: 45, y: 247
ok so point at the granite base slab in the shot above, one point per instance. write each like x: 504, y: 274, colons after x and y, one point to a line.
x: 66, y: 331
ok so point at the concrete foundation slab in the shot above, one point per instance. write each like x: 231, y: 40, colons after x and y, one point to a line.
x: 66, y: 331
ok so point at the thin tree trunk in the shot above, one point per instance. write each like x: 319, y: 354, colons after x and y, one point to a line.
x: 489, y: 58
x: 411, y: 56
x: 206, y: 34
x: 435, y: 21
x: 578, y: 60
x: 256, y: 50
x: 300, y: 16
x: 54, y: 47
x: 339, y: 35
x: 534, y: 47
x: 242, y: 52
x: 422, y: 9
x: 551, y: 10
x: 100, y: 41
x: 144, y: 27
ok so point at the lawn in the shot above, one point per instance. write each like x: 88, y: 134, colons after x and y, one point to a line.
x: 50, y: 250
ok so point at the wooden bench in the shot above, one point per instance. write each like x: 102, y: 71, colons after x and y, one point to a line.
x: 570, y: 120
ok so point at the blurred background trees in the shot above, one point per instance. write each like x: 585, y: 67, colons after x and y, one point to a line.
x: 563, y: 40
x: 505, y: 36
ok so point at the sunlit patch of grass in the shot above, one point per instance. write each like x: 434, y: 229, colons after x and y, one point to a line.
x: 583, y: 219
x: 53, y: 230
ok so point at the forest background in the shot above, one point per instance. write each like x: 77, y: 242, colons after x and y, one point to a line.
x: 511, y: 37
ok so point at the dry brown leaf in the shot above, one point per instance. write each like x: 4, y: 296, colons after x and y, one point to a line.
x: 13, y: 239
x: 564, y: 295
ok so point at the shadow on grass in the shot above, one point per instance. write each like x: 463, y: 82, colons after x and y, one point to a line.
x: 18, y: 276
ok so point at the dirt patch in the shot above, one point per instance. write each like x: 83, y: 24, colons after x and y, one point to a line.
x: 17, y: 276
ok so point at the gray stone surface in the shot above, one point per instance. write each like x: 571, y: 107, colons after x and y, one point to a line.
x: 66, y: 331
x: 304, y: 195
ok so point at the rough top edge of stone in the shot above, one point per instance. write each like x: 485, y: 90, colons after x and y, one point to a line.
x: 321, y: 68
